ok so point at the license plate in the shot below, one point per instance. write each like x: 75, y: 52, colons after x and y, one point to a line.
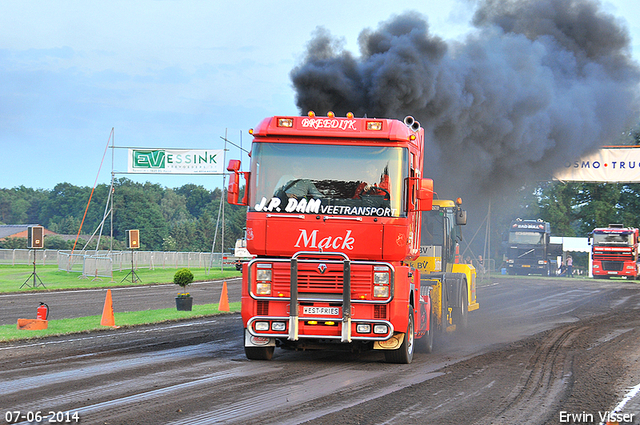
x: 526, y: 265
x: 323, y: 311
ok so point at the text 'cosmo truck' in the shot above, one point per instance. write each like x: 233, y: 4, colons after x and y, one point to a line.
x: 334, y: 222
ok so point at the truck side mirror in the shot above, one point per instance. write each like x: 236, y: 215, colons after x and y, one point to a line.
x: 461, y: 217
x: 233, y: 189
x: 424, y: 195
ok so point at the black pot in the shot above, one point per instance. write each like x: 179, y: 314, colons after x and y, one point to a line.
x: 184, y: 303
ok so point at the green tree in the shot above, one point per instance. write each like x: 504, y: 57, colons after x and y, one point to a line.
x: 21, y: 205
x: 181, y: 219
x: 629, y: 205
x: 184, y: 233
x: 197, y: 198
x: 597, y: 204
x: 66, y: 206
x: 556, y: 200
x: 137, y: 206
x: 169, y: 244
x: 13, y: 243
x: 174, y: 206
x: 56, y: 242
x: 68, y: 225
x: 205, y: 229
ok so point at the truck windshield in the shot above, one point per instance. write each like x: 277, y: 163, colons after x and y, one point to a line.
x: 531, y: 238
x: 432, y: 228
x: 612, y: 239
x: 433, y: 233
x: 328, y: 179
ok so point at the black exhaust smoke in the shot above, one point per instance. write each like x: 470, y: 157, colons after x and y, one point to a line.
x: 535, y: 84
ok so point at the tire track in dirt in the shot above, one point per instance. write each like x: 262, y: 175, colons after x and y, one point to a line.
x: 543, y: 381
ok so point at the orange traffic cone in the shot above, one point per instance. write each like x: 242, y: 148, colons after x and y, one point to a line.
x: 107, y: 312
x: 224, y: 298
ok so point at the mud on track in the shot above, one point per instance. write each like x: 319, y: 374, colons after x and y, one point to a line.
x: 535, y: 348
x: 574, y: 368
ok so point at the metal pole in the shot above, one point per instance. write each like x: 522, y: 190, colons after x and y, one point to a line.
x: 113, y: 151
x: 34, y: 268
x: 224, y: 161
x: 215, y: 236
x: 487, y: 243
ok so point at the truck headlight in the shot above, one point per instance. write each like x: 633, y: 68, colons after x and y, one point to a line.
x: 278, y: 326
x: 381, y: 278
x: 381, y: 291
x: 362, y: 328
x: 263, y: 274
x: 263, y: 288
x: 263, y: 279
x: 262, y: 326
x: 380, y: 329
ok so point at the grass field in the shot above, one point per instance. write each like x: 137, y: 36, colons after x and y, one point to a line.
x: 125, y: 319
x: 13, y: 277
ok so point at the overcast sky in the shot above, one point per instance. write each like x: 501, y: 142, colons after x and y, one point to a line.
x: 178, y: 74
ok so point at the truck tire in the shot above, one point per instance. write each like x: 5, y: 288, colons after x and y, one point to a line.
x: 404, y: 354
x: 462, y: 311
x: 425, y: 344
x: 259, y: 353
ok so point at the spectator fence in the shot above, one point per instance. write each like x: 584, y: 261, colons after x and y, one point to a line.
x: 102, y: 263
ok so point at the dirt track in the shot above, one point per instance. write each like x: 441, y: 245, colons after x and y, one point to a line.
x: 536, y: 348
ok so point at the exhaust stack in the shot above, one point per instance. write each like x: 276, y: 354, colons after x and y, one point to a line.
x: 410, y: 122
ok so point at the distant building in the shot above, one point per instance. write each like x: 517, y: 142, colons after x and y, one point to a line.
x: 18, y: 231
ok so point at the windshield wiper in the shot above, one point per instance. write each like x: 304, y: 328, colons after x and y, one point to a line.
x: 525, y: 253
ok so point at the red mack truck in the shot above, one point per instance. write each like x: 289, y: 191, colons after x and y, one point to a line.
x: 614, y: 252
x: 334, y: 220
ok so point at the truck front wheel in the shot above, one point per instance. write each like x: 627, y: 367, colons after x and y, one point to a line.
x: 404, y: 354
x: 259, y: 353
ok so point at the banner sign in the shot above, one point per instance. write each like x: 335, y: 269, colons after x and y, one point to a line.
x: 175, y: 161
x: 613, y: 165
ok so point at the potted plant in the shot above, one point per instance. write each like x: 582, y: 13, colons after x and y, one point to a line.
x: 182, y: 278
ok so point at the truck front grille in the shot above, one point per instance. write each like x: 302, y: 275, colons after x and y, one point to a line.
x: 312, y: 280
x: 380, y: 311
x: 263, y: 308
x: 614, y: 266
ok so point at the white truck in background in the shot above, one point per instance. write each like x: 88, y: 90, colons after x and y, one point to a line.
x: 240, y: 254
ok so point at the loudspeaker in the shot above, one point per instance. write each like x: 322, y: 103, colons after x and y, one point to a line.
x: 35, y: 237
x: 133, y: 239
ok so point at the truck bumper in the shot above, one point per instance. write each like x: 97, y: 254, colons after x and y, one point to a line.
x: 527, y: 268
x: 257, y: 341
